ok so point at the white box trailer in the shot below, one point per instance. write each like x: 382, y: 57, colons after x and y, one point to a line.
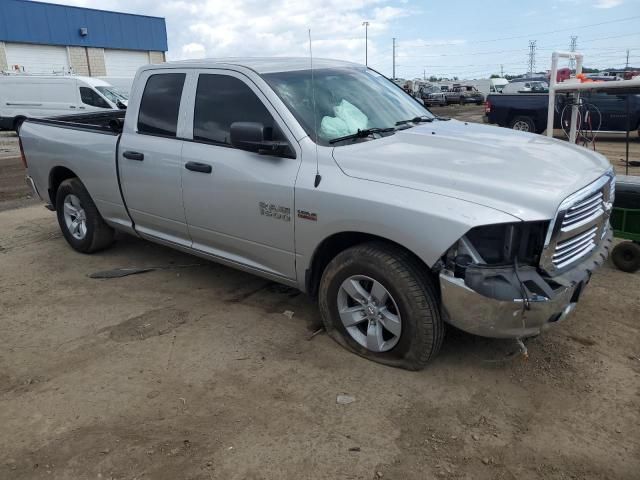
x: 38, y: 96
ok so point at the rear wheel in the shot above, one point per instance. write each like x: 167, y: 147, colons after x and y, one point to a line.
x: 377, y: 301
x: 79, y: 219
x: 626, y: 256
x: 523, y: 123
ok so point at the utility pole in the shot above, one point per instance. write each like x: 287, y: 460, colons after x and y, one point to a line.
x: 366, y: 43
x: 394, y: 58
x: 424, y: 74
x: 501, y: 71
x: 572, y: 48
x: 532, y: 57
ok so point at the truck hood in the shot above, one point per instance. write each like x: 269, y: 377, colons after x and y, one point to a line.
x: 522, y: 174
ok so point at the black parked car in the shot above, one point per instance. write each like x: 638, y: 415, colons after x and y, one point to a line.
x: 528, y: 111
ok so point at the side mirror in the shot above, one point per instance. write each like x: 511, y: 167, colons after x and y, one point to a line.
x: 255, y: 137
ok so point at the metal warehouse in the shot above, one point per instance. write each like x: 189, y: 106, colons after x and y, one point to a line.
x: 44, y: 38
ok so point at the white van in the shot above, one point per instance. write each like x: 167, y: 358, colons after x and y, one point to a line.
x: 37, y: 96
x: 122, y: 85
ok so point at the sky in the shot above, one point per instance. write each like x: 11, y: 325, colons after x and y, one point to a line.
x: 465, y: 38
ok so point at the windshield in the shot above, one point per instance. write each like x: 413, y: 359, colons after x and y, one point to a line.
x: 112, y: 94
x: 347, y: 100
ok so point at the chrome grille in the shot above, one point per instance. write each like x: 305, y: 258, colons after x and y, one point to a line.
x: 581, y: 222
x: 570, y: 250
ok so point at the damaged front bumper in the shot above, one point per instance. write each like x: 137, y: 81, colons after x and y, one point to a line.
x: 495, y: 307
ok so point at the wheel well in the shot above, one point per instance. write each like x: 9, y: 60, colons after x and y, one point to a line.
x: 56, y: 177
x: 520, y: 113
x: 332, y: 246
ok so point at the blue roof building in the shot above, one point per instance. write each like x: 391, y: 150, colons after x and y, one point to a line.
x: 38, y: 37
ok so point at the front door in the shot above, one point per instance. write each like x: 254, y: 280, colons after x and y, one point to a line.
x: 239, y: 205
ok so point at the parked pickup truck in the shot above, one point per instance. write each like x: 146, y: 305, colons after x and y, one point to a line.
x: 462, y: 94
x: 528, y: 111
x: 341, y: 185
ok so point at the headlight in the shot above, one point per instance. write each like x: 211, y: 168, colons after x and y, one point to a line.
x: 496, y: 245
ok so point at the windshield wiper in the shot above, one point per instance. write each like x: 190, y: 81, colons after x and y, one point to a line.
x: 362, y: 134
x: 415, y: 120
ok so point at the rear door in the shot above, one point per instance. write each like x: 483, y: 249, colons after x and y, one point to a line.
x: 150, y: 157
x: 239, y: 205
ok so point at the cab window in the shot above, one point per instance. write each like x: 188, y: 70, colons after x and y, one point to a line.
x: 222, y: 100
x: 91, y: 97
x: 160, y: 104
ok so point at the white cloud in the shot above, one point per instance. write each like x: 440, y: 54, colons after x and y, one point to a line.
x: 223, y: 28
x: 193, y: 50
x: 608, y: 3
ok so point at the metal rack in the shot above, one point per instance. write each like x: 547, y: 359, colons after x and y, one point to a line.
x: 574, y: 85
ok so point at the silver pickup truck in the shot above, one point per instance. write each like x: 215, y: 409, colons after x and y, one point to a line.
x: 336, y: 182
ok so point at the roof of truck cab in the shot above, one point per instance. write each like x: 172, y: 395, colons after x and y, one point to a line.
x: 259, y: 65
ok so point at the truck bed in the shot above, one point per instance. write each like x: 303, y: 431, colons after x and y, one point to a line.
x: 108, y: 122
x: 84, y: 144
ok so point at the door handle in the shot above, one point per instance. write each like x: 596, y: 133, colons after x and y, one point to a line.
x: 198, y: 167
x: 133, y: 156
x: 71, y: 106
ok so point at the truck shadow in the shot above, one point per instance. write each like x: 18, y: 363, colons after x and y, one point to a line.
x: 236, y: 288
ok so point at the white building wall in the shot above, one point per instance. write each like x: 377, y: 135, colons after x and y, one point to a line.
x: 88, y: 61
x: 41, y: 59
x: 124, y: 63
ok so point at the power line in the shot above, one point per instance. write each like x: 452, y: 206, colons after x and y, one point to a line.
x: 564, y: 30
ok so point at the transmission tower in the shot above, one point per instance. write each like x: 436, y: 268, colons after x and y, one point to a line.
x: 572, y: 49
x: 532, y: 57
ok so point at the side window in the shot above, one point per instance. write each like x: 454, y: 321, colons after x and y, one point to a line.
x: 90, y: 97
x: 222, y: 100
x: 160, y: 104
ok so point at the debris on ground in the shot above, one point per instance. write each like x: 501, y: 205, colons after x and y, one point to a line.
x: 343, y: 399
x: 123, y: 272
x: 317, y: 332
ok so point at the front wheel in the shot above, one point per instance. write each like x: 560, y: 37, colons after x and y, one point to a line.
x: 377, y: 301
x: 79, y: 219
x: 626, y: 256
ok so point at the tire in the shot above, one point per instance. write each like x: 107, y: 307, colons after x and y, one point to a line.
x: 91, y: 233
x: 411, y: 298
x: 523, y: 123
x: 461, y: 101
x: 626, y: 256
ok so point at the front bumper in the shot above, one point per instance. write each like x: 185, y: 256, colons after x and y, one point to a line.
x: 482, y: 315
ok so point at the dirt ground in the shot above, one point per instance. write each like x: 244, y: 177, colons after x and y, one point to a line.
x: 196, y: 371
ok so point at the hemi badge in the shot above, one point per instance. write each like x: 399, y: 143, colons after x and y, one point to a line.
x: 307, y: 215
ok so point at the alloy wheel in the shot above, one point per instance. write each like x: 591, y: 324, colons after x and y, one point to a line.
x: 369, y: 313
x: 75, y: 217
